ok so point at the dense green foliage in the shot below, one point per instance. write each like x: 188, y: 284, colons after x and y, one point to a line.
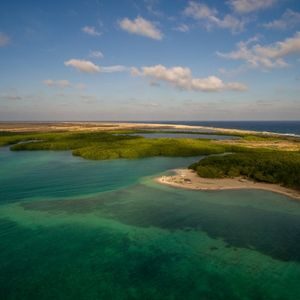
x: 9, y: 138
x: 281, y: 167
x: 259, y: 164
x: 105, y: 145
x: 149, y: 147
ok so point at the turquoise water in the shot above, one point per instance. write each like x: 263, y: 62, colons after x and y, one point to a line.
x: 38, y: 174
x: 77, y: 229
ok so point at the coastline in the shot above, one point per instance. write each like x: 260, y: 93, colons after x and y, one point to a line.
x: 188, y: 179
x: 103, y: 125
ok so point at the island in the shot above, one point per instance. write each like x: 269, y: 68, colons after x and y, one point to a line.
x: 247, y: 159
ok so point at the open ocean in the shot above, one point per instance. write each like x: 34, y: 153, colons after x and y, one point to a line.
x: 285, y: 127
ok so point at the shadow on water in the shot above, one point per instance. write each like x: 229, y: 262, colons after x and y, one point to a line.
x: 273, y: 233
x: 103, y: 264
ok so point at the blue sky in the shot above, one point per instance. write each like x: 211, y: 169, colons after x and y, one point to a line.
x: 150, y: 60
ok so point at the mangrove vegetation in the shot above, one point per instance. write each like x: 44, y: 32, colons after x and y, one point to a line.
x: 260, y: 164
x: 281, y: 167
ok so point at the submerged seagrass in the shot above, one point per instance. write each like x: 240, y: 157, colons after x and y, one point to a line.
x: 72, y: 228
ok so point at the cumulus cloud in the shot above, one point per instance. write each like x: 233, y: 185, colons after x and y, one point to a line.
x: 210, y: 17
x: 96, y: 54
x: 270, y: 56
x: 142, y: 27
x: 91, y: 30
x: 182, y: 78
x: 83, y: 65
x: 4, y: 39
x: 289, y: 19
x: 89, y: 67
x: 248, y: 6
x: 57, y: 83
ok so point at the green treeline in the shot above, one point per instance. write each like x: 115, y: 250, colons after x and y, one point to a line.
x: 259, y: 164
x: 282, y: 167
x: 107, y: 145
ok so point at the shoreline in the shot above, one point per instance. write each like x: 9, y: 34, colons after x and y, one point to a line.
x: 188, y: 179
x: 81, y: 126
x: 24, y: 126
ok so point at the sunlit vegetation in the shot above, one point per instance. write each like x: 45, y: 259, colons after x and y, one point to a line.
x: 281, y: 167
x: 104, y: 145
x: 264, y: 165
x: 149, y: 147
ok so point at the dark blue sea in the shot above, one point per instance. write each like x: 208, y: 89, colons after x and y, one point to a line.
x: 285, y: 127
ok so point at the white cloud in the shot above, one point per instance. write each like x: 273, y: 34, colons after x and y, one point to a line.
x: 270, y: 56
x: 113, y: 69
x: 209, y: 17
x: 4, y: 39
x: 182, y: 28
x: 57, y: 83
x: 82, y: 65
x: 96, y: 54
x: 248, y: 6
x: 182, y: 78
x: 89, y: 67
x: 289, y: 19
x: 91, y: 30
x: 141, y: 27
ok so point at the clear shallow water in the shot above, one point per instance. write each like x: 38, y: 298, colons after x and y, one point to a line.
x: 38, y: 174
x: 134, y: 239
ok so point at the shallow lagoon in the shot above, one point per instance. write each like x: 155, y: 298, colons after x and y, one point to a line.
x: 77, y: 229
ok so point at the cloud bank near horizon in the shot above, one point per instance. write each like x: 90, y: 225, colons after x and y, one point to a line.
x: 181, y: 77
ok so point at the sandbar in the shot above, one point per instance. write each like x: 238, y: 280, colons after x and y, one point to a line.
x: 188, y: 179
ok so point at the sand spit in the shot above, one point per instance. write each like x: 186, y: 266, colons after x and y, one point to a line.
x: 188, y: 179
x: 95, y: 126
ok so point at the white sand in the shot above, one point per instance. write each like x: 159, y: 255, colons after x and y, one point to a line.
x: 188, y: 179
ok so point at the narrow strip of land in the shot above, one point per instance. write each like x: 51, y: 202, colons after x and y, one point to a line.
x: 188, y: 179
x: 104, y: 126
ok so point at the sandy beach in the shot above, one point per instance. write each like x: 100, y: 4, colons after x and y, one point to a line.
x: 90, y: 126
x: 188, y: 179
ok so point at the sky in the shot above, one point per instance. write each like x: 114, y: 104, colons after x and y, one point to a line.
x: 149, y: 60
